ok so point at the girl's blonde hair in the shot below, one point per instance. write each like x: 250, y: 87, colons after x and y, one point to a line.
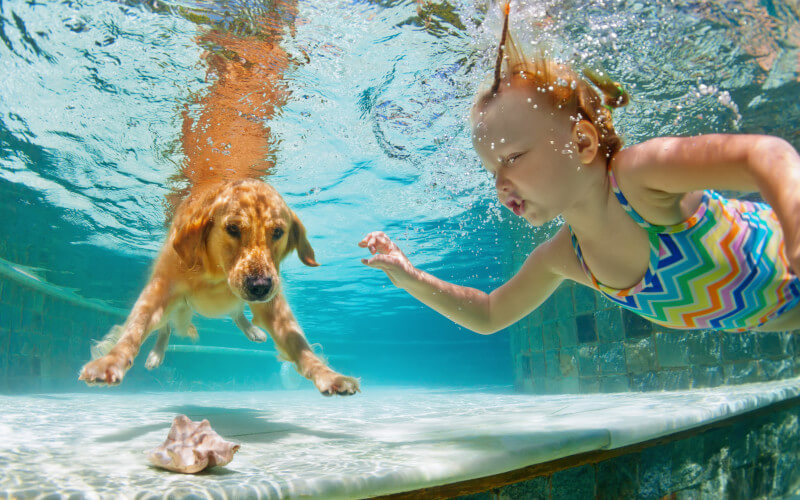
x: 567, y: 90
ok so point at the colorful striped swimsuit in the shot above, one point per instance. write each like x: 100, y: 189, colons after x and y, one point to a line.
x: 723, y: 268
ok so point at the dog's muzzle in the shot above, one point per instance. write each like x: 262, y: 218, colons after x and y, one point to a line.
x: 257, y: 288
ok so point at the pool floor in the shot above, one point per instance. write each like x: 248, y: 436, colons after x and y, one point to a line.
x: 300, y: 444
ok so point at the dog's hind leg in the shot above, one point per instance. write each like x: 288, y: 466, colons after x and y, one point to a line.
x: 156, y: 355
x: 253, y: 332
x: 181, y: 324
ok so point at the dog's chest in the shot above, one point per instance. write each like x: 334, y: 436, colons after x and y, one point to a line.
x: 213, y: 301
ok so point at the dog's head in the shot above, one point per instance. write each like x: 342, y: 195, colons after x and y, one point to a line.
x: 242, y: 230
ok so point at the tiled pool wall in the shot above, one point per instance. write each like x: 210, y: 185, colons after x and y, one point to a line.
x: 580, y: 342
x: 45, y: 338
x: 757, y: 457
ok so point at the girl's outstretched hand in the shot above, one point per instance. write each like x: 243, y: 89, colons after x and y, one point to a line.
x: 388, y: 257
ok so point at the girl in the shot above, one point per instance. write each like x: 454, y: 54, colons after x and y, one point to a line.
x: 642, y: 225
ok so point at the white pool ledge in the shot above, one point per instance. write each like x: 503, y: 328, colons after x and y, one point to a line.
x: 300, y: 444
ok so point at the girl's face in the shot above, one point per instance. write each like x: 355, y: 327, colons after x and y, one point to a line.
x: 527, y: 146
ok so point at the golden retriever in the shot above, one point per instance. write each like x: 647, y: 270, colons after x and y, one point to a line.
x: 223, y: 252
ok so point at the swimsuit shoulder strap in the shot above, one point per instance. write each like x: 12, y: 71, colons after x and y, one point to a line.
x: 579, y: 254
x: 627, y: 206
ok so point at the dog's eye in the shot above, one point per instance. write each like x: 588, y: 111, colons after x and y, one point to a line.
x: 277, y: 233
x: 233, y: 230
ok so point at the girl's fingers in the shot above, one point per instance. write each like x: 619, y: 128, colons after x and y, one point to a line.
x: 384, y: 244
x: 377, y: 242
x: 371, y: 263
x: 379, y: 261
x: 369, y: 242
x: 371, y: 236
x: 364, y: 242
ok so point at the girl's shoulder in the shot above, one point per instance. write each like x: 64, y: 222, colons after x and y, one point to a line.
x: 636, y: 171
x: 677, y: 165
x: 558, y: 253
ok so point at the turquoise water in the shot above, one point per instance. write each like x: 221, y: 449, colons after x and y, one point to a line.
x: 373, y: 135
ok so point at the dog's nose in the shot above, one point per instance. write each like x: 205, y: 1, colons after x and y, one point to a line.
x: 258, y: 286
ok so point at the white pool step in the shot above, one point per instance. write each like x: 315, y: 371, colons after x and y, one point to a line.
x: 300, y: 444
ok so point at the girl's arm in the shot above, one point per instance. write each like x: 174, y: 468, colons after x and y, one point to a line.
x: 481, y: 312
x: 718, y: 161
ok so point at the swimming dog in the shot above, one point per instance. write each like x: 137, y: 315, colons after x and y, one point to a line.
x: 222, y: 253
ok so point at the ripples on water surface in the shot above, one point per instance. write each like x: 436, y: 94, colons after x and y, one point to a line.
x: 372, y: 135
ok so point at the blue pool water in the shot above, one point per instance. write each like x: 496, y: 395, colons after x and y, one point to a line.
x: 372, y: 136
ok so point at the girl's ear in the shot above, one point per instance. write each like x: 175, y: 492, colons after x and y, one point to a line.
x: 586, y: 141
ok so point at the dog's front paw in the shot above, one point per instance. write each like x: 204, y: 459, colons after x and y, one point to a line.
x: 331, y: 383
x: 255, y: 334
x: 154, y: 360
x: 106, y: 370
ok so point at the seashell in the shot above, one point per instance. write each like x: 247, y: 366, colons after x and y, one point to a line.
x: 191, y: 447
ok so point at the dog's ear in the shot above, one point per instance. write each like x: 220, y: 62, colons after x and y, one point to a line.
x: 191, y: 226
x: 298, y: 241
